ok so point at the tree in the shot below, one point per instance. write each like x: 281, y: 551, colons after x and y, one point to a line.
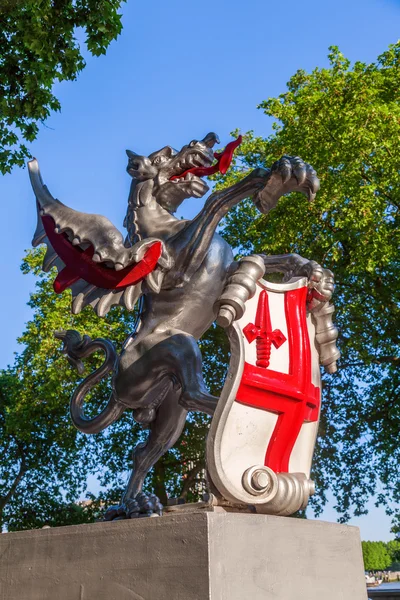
x: 345, y: 121
x: 393, y: 548
x: 53, y: 512
x: 38, y: 47
x: 376, y: 556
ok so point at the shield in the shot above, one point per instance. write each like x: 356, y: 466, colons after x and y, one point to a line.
x: 263, y: 433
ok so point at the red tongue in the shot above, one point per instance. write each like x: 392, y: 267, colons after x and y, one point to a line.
x: 224, y: 160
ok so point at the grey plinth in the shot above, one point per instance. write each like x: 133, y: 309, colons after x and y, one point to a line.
x: 197, y: 556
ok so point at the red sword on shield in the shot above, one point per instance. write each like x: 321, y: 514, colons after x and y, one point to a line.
x: 262, y: 332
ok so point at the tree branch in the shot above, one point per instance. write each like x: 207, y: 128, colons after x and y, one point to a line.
x: 22, y: 470
x: 190, y: 478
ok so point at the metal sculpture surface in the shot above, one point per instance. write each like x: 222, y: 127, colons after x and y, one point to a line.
x: 184, y: 276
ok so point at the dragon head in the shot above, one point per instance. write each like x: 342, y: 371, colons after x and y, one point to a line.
x: 176, y: 175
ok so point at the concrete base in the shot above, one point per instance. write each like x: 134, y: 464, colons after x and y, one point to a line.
x: 198, y: 556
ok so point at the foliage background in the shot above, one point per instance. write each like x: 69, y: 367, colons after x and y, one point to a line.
x: 39, y: 47
x: 378, y: 556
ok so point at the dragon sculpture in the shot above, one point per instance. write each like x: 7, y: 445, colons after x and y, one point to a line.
x: 180, y: 273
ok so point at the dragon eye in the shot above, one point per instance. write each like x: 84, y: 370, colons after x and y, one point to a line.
x: 192, y: 143
x: 158, y: 160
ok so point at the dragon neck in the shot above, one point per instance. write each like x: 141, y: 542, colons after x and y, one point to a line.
x: 145, y: 217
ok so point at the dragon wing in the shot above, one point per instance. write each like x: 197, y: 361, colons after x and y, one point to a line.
x: 90, y: 255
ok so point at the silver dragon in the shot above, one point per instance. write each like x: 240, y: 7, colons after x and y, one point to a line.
x: 158, y: 374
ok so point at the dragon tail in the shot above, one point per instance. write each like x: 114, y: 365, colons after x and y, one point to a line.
x: 77, y: 348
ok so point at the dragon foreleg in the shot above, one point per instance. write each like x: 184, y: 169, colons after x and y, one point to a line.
x: 264, y: 186
x: 192, y: 243
x: 289, y: 264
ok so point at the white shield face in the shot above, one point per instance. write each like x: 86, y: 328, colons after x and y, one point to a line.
x: 269, y: 409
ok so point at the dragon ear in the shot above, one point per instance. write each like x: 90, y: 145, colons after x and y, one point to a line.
x: 140, y: 167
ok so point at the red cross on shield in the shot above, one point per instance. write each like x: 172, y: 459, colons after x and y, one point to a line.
x: 292, y: 395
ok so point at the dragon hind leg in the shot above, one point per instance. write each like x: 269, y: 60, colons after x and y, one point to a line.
x: 194, y: 394
x: 161, y: 386
x: 164, y: 432
x: 141, y: 375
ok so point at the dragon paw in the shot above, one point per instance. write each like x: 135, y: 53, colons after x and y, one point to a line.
x: 321, y: 282
x: 321, y: 285
x: 142, y: 505
x: 288, y: 174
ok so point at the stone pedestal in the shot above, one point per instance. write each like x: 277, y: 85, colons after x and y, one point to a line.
x: 193, y: 556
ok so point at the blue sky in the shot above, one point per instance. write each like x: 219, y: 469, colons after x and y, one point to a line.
x: 177, y: 71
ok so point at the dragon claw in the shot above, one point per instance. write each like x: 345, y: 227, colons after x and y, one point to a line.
x: 142, y: 505
x: 288, y: 174
x: 321, y: 282
x: 321, y: 285
x: 115, y: 513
